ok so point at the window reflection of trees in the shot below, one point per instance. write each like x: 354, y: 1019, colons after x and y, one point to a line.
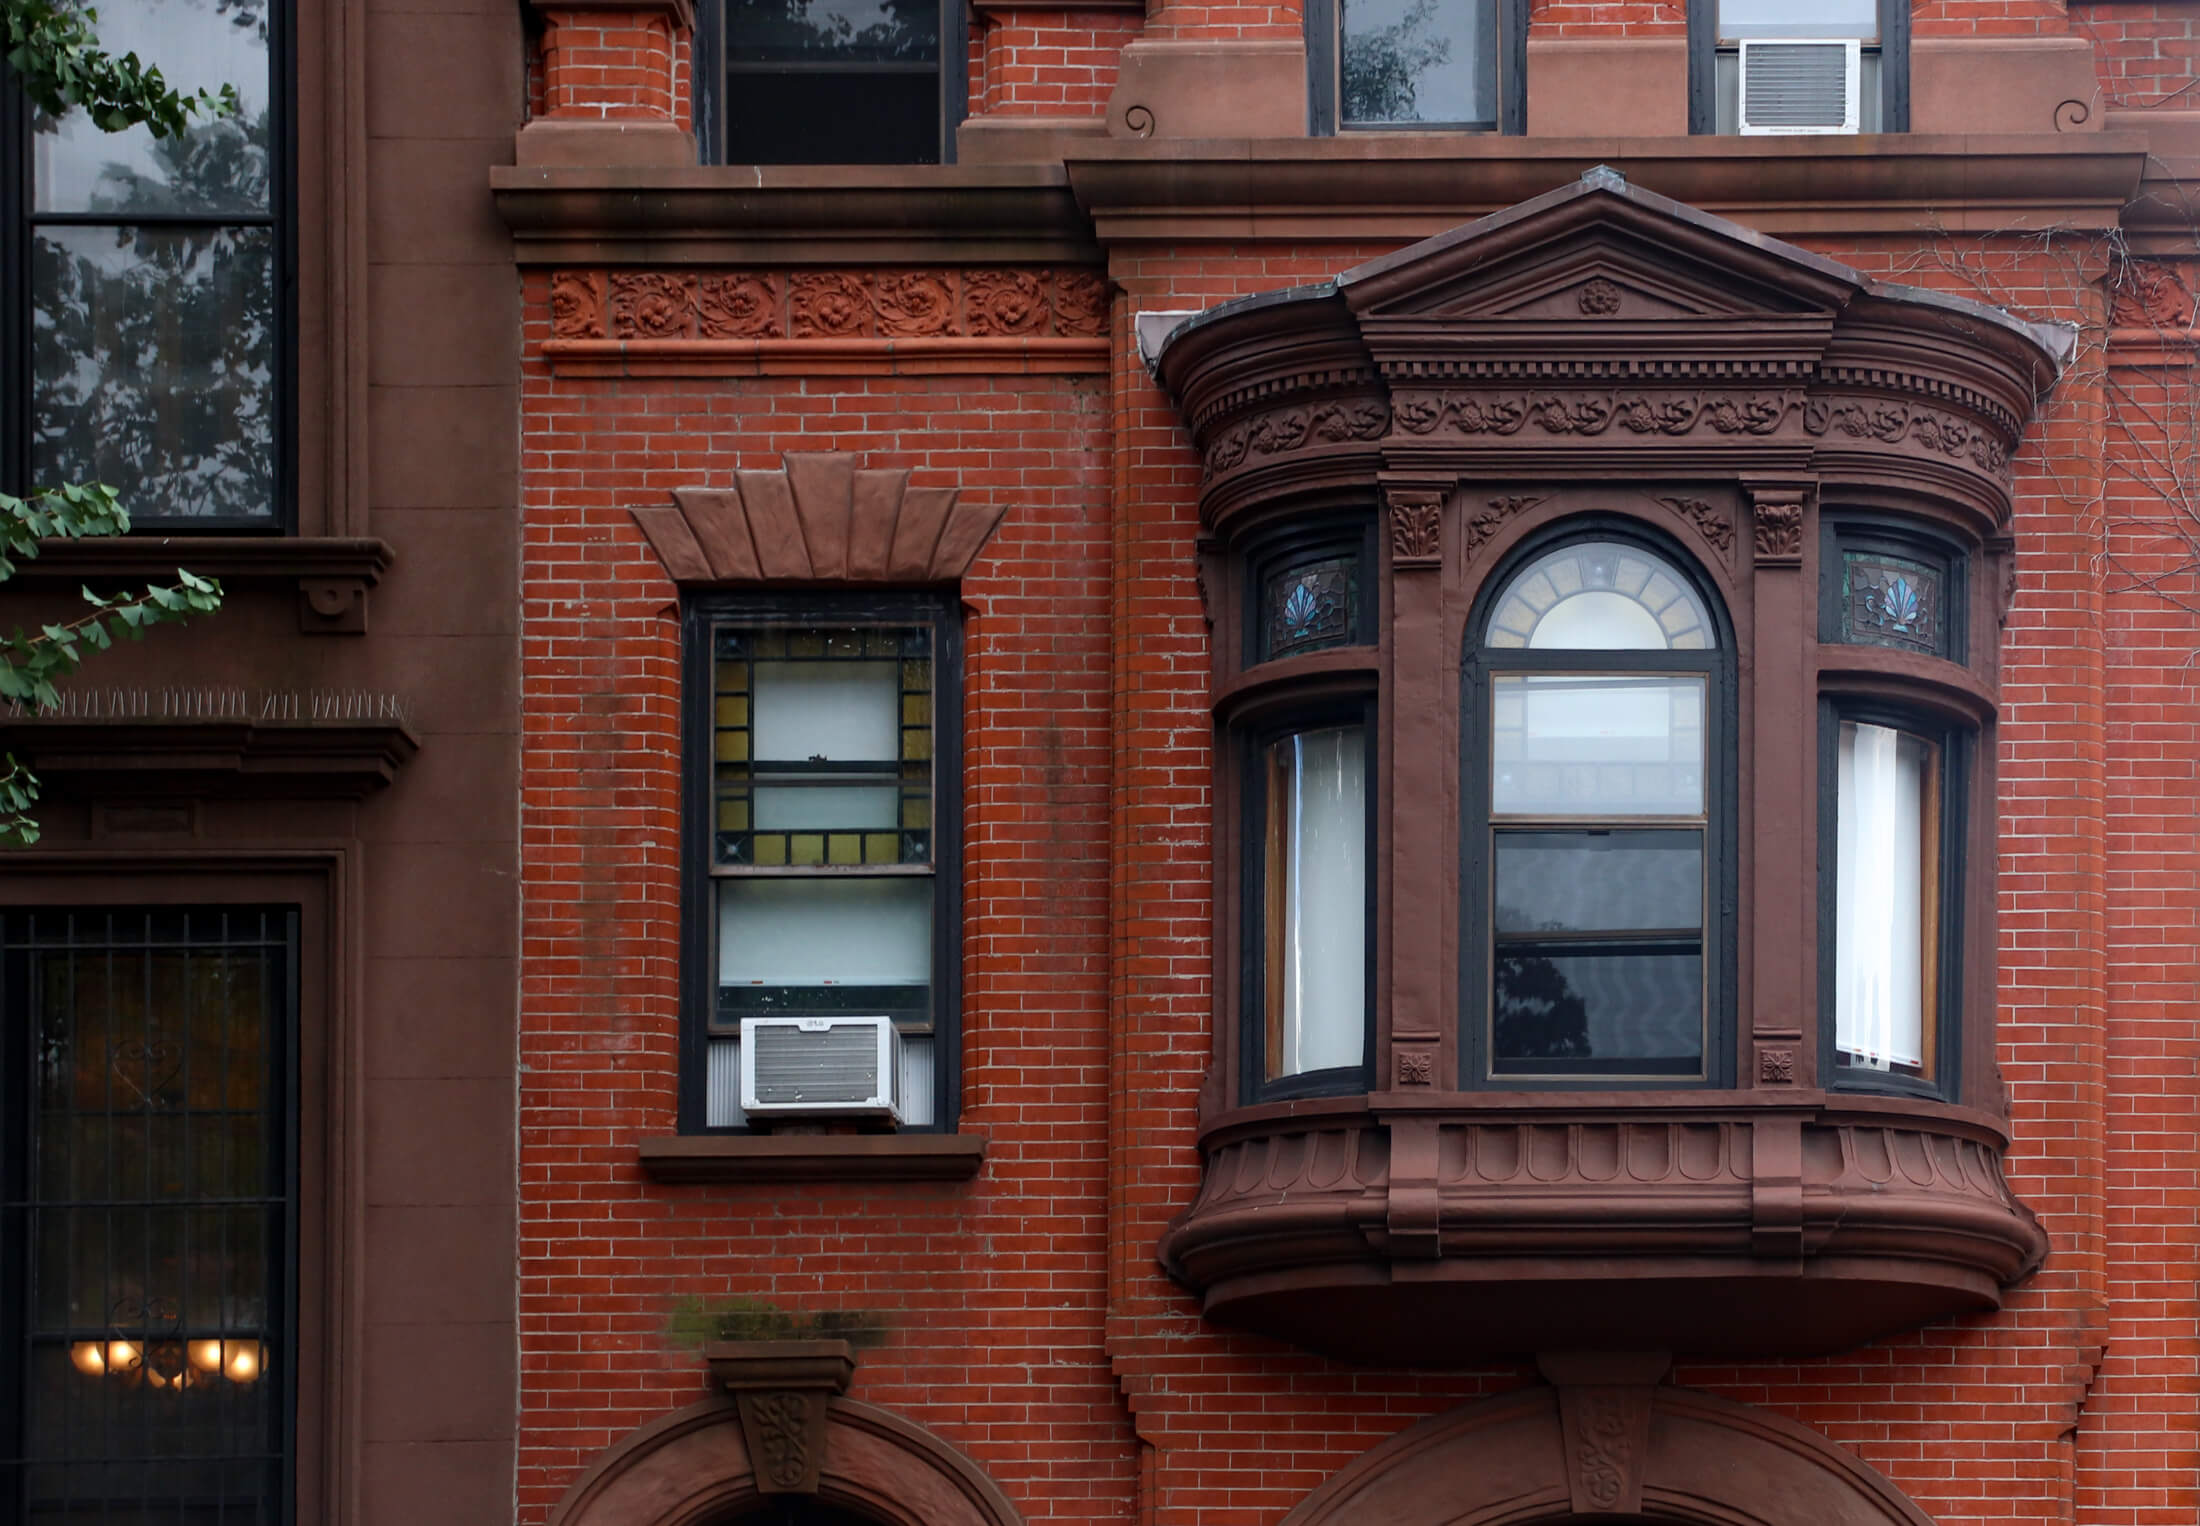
x: 154, y: 344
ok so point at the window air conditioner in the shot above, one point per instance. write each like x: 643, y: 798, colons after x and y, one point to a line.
x: 1799, y: 86
x: 841, y: 1065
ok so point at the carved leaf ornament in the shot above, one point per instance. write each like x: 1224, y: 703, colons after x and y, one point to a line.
x: 975, y: 303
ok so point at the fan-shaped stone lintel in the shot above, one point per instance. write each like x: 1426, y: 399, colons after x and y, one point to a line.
x: 821, y: 519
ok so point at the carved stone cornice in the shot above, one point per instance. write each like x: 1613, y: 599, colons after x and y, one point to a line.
x: 1609, y: 328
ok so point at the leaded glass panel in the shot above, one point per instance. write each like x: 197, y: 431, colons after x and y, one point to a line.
x: 1309, y: 605
x: 1894, y: 601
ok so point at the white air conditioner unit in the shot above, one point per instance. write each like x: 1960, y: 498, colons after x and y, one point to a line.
x: 842, y: 1065
x: 1799, y: 85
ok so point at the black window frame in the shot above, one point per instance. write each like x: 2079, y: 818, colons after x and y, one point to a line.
x: 1721, y: 829
x: 1323, y: 86
x: 18, y: 218
x: 701, y: 613
x: 1253, y: 741
x: 1843, y: 531
x: 711, y: 72
x: 1958, y: 744
x: 16, y: 1204
x: 1894, y: 67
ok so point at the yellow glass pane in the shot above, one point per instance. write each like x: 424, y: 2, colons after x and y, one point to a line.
x: 916, y: 811
x: 733, y: 747
x: 771, y: 849
x: 917, y: 675
x: 733, y: 815
x: 916, y: 709
x: 916, y: 746
x: 844, y: 848
x: 806, y: 848
x: 882, y: 848
x: 733, y: 710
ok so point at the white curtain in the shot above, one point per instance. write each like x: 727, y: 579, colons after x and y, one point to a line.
x: 1879, y: 932
x: 1325, y: 900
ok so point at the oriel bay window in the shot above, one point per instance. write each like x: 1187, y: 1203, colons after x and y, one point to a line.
x: 149, y: 1189
x: 1595, y: 868
x: 824, y: 785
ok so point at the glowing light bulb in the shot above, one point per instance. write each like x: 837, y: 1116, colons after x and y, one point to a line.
x: 122, y: 1356
x: 206, y: 1355
x: 89, y: 1357
x: 243, y: 1364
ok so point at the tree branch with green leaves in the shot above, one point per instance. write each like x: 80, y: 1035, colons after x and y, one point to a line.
x: 59, y: 63
x: 32, y: 661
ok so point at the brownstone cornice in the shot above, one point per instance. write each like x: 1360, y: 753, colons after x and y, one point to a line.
x: 1372, y: 188
x: 793, y: 215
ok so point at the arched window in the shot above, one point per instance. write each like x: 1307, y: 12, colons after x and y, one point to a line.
x: 1597, y: 873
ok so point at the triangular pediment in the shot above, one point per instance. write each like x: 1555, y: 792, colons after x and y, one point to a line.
x: 1598, y: 250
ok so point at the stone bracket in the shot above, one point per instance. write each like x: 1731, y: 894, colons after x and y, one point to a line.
x: 1604, y: 1404
x: 782, y: 1389
x: 332, y: 606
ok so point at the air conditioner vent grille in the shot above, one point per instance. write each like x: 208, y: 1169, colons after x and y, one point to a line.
x: 839, y: 1064
x: 1799, y: 86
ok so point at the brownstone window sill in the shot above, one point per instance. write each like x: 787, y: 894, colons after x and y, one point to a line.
x: 232, y: 558
x: 814, y: 1157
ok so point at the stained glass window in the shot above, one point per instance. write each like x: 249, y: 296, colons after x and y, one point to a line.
x: 822, y: 841
x: 1894, y: 601
x: 1309, y: 605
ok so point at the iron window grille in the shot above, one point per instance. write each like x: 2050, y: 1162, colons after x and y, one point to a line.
x: 150, y: 1211
x: 148, y: 289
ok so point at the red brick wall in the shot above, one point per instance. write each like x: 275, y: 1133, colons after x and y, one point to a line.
x: 1049, y: 63
x: 992, y: 1291
x: 2141, y: 52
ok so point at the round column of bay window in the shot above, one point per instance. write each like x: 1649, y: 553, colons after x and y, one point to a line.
x: 1596, y: 858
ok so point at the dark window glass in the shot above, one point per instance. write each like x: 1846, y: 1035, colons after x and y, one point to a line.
x: 148, y: 1212
x: 1308, y: 605
x: 834, y: 81
x: 1417, y: 61
x: 149, y: 311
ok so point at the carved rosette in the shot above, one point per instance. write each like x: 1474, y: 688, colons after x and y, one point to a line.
x: 738, y: 306
x: 652, y: 305
x: 1004, y: 302
x: 2149, y: 294
x: 830, y: 304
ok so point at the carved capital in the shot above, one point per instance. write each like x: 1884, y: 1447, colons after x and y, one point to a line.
x: 1416, y: 527
x: 1779, y: 525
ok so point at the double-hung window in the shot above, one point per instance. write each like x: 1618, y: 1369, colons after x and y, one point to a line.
x: 1423, y: 65
x: 831, y: 82
x: 824, y: 798
x: 1596, y: 868
x: 144, y: 301
x: 148, y: 1193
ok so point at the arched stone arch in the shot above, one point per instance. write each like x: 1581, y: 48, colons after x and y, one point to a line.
x: 692, y: 1468
x: 1626, y: 1453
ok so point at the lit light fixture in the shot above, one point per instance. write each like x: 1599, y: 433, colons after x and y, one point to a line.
x: 170, y: 1364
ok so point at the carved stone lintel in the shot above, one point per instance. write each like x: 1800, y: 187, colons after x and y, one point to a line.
x: 1416, y: 527
x: 782, y: 1389
x: 1710, y: 522
x: 1779, y: 515
x: 1604, y: 1405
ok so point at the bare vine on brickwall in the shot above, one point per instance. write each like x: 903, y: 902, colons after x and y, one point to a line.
x: 2132, y: 384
